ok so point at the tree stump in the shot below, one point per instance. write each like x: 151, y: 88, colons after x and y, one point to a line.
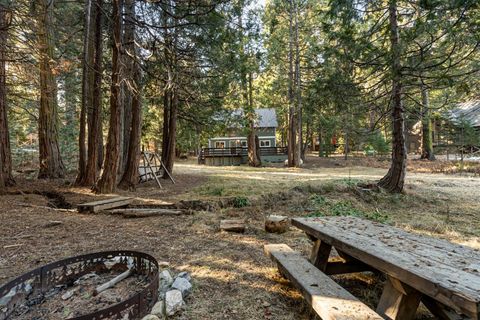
x: 276, y: 224
x: 233, y: 225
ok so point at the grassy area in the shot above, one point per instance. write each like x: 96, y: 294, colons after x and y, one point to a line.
x: 445, y: 205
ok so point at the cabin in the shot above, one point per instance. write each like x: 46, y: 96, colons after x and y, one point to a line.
x: 231, y: 148
x: 448, y: 132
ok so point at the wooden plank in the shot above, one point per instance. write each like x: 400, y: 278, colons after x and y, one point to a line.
x: 233, y: 225
x: 378, y: 246
x: 398, y: 301
x: 144, y: 213
x: 104, y: 204
x: 329, y: 300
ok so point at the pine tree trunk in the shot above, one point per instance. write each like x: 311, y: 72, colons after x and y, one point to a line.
x: 427, y: 141
x: 51, y: 164
x: 172, y: 133
x: 291, y: 138
x: 86, y: 92
x: 6, y: 177
x: 128, y: 86
x: 130, y: 177
x: 394, y: 180
x: 252, y: 139
x: 298, y: 92
x: 108, y: 181
x: 95, y: 116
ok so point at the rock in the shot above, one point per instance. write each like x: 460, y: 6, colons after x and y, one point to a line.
x: 159, y: 309
x: 163, y: 264
x: 276, y: 224
x: 67, y: 295
x: 173, y: 302
x: 185, y: 275
x: 183, y: 285
x: 150, y: 317
x: 165, y: 281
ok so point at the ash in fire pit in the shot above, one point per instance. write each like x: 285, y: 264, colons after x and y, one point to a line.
x: 108, y: 285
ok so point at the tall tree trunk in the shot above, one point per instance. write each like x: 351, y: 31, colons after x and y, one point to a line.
x: 95, y: 116
x: 5, y: 152
x: 128, y: 87
x: 254, y: 159
x: 51, y: 164
x: 130, y: 177
x: 108, y: 181
x: 291, y: 140
x: 427, y: 141
x: 172, y: 133
x: 298, y: 92
x: 394, y: 180
x: 86, y: 92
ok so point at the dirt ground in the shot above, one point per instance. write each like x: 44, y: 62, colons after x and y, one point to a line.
x: 231, y: 276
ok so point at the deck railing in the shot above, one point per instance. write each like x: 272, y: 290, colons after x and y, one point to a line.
x: 239, y: 151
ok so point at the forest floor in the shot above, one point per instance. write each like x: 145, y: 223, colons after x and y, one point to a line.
x: 232, y: 278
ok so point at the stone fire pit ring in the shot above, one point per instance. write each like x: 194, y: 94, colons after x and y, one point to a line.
x: 64, y: 272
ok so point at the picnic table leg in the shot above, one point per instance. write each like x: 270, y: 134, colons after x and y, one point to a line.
x: 320, y: 253
x: 439, y: 310
x: 398, y: 301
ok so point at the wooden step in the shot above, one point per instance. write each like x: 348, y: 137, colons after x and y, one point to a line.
x: 97, y: 206
x: 329, y: 300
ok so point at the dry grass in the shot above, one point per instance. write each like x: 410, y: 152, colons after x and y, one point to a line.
x: 232, y: 277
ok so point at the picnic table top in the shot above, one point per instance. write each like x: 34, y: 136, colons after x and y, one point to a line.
x: 447, y: 272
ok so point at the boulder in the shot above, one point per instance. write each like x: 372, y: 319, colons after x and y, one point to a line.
x: 185, y: 275
x: 276, y: 224
x: 159, y: 309
x: 173, y: 302
x: 150, y: 317
x: 183, y: 285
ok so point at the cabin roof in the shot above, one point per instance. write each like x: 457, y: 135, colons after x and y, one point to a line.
x: 265, y: 117
x: 469, y: 110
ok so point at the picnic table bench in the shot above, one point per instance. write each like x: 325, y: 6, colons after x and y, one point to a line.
x: 444, y: 276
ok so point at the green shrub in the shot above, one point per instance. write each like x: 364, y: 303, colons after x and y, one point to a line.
x: 240, y: 202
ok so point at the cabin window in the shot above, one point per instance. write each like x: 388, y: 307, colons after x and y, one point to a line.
x: 244, y: 144
x: 220, y: 144
x: 264, y: 143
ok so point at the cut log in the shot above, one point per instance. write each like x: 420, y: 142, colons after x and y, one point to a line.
x: 112, y: 282
x: 97, y: 206
x: 276, y: 224
x: 233, y: 225
x: 329, y: 300
x: 144, y: 212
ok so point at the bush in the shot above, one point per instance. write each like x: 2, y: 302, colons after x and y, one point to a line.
x: 376, y: 143
x: 240, y: 202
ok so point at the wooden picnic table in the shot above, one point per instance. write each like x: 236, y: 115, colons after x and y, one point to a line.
x: 443, y: 275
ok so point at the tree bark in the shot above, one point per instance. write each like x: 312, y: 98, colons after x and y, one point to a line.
x: 86, y: 92
x: 6, y: 177
x: 130, y: 177
x: 298, y: 92
x: 95, y: 116
x: 427, y: 141
x: 128, y: 85
x: 253, y: 144
x: 291, y: 138
x: 51, y: 164
x: 394, y: 180
x: 108, y: 181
